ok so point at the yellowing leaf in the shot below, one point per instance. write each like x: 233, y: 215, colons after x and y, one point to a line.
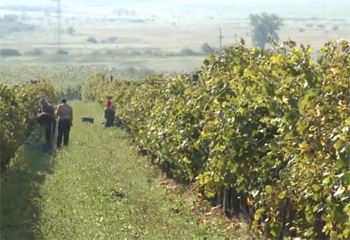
x: 258, y: 214
x: 316, y: 187
x: 304, y: 146
x: 333, y: 70
x: 282, y: 195
x: 225, y: 104
x: 268, y: 189
x: 185, y: 160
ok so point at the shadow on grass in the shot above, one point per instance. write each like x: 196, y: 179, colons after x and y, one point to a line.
x: 20, y: 194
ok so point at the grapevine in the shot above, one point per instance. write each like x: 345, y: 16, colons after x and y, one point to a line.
x: 18, y: 105
x: 265, y: 131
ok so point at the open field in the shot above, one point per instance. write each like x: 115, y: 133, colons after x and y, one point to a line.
x: 164, y: 42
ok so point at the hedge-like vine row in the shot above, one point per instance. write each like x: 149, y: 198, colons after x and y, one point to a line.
x: 264, y: 132
x: 18, y: 105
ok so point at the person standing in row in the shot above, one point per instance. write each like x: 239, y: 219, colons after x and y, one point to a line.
x: 109, y: 112
x: 65, y: 122
x: 47, y: 121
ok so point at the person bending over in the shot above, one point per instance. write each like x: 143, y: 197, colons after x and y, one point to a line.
x: 48, y: 124
x: 65, y: 122
x: 46, y: 107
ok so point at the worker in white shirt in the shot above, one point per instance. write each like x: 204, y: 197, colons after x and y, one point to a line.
x: 65, y: 114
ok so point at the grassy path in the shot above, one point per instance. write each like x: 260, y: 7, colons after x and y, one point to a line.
x: 98, y: 188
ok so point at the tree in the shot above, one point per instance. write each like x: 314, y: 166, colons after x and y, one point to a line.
x: 264, y: 25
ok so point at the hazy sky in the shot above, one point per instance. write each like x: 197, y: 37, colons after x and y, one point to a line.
x: 232, y: 8
x: 178, y: 2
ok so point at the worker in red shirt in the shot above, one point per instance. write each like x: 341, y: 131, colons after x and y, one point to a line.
x: 109, y: 102
x: 109, y: 112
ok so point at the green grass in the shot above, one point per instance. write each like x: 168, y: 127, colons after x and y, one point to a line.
x: 20, y: 194
x: 97, y: 188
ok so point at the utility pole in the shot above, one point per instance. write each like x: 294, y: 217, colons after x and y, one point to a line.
x: 59, y: 20
x: 220, y: 40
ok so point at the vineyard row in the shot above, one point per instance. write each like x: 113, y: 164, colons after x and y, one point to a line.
x: 263, y: 133
x: 18, y: 108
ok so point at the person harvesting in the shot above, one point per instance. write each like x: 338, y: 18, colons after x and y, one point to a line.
x: 109, y: 112
x: 65, y: 114
x: 47, y: 121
